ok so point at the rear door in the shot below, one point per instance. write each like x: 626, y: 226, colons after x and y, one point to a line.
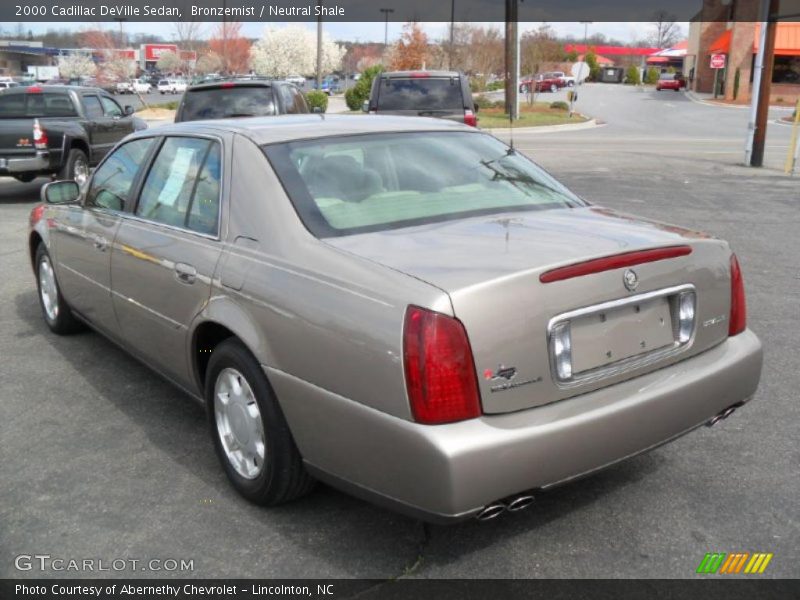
x: 166, y: 251
x: 421, y: 95
x: 83, y: 234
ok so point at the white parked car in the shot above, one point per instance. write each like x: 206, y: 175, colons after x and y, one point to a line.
x: 171, y: 86
x: 124, y: 87
x: 568, y: 79
x: 297, y: 80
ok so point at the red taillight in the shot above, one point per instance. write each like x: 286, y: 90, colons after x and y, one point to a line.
x: 738, y: 319
x: 419, y: 74
x: 470, y: 118
x: 39, y: 136
x: 227, y: 85
x: 34, y: 89
x: 617, y: 261
x: 440, y: 372
x: 36, y: 214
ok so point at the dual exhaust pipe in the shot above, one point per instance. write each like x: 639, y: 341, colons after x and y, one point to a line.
x: 523, y: 501
x: 723, y: 415
x: 511, y: 504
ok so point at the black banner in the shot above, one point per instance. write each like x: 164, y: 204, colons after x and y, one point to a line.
x: 399, y: 10
x: 713, y: 588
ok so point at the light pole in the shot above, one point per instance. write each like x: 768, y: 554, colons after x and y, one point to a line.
x: 585, y: 48
x: 452, y: 33
x: 319, y: 48
x: 386, y: 12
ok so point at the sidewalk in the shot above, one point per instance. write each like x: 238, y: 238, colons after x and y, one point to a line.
x: 708, y: 98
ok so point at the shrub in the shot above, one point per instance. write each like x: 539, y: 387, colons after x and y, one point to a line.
x: 482, y: 101
x: 316, y: 98
x: 559, y: 105
x: 355, y: 96
x: 652, y: 76
x: 496, y: 86
x: 632, y: 76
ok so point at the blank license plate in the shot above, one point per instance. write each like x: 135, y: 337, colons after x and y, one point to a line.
x: 607, y: 337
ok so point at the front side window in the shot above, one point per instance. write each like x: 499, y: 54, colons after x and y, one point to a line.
x: 353, y: 184
x: 113, y: 180
x: 93, y: 107
x: 183, y: 185
x: 110, y: 108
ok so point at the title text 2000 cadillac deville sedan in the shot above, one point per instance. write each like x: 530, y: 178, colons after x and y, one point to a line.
x: 404, y: 308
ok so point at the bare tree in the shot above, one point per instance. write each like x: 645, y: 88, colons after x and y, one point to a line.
x: 665, y: 31
x: 186, y: 34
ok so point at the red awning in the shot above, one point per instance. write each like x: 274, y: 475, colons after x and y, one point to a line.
x: 722, y: 45
x: 658, y: 59
x: 787, y: 39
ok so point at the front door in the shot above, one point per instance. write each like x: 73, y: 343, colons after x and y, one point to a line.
x: 165, y: 253
x: 83, y: 235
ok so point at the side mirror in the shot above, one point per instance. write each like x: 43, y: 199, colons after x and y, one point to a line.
x: 60, y: 192
x: 365, y: 106
x: 128, y: 110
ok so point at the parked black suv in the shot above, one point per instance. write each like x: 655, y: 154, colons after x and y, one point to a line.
x: 442, y: 94
x: 240, y: 98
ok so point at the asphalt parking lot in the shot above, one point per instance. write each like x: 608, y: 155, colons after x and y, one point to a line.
x: 103, y: 459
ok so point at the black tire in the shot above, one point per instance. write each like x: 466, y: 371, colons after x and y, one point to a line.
x: 553, y: 88
x: 64, y: 322
x: 75, y: 157
x: 283, y: 477
x: 25, y: 177
x: 570, y: 84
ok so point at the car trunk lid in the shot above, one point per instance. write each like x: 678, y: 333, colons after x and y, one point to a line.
x: 494, y: 270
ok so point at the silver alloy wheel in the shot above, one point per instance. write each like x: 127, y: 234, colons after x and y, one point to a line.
x: 239, y: 425
x: 80, y: 171
x: 48, y: 289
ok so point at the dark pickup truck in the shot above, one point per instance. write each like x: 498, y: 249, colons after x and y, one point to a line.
x: 59, y: 130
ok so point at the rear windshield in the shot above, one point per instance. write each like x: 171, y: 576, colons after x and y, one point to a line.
x: 220, y: 103
x: 353, y: 184
x: 20, y: 106
x: 420, y: 93
x: 667, y: 77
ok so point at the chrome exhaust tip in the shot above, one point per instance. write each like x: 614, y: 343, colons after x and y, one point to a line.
x: 722, y: 415
x: 491, y: 511
x: 520, y: 502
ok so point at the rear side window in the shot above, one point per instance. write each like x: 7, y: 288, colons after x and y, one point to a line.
x: 420, y: 93
x: 20, y: 106
x: 182, y: 188
x: 220, y: 103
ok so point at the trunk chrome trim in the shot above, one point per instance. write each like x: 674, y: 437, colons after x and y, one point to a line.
x: 627, y: 364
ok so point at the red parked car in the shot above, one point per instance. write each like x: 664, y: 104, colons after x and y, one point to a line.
x: 543, y: 82
x: 670, y: 81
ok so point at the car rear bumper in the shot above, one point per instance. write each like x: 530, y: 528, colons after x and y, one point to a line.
x: 450, y: 472
x: 29, y: 164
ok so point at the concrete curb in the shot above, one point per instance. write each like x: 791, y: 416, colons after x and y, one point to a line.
x: 697, y: 100
x: 590, y: 124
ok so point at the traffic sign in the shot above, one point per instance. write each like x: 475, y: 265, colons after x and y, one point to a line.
x: 717, y: 61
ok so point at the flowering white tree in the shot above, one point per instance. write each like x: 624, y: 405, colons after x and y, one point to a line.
x: 293, y: 51
x: 169, y: 62
x: 76, y: 65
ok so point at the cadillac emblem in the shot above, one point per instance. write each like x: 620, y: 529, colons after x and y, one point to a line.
x: 630, y: 279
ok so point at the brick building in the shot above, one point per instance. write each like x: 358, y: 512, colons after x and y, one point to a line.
x: 730, y: 28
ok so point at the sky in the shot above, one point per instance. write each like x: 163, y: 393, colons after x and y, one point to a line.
x: 368, y: 31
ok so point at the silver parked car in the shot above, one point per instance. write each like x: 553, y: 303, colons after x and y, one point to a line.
x: 404, y: 308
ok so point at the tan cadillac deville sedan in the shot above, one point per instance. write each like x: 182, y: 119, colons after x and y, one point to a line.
x: 406, y: 309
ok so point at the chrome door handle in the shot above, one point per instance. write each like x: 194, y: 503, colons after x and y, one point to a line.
x: 185, y: 273
x: 100, y: 243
